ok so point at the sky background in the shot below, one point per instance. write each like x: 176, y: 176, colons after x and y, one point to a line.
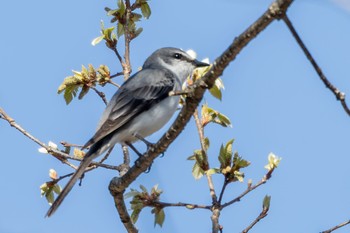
x: 272, y: 95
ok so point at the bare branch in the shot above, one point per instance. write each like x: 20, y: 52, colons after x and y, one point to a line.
x: 123, y: 212
x: 60, y: 155
x: 337, y: 227
x: 250, y: 188
x: 223, y: 190
x: 179, y: 204
x: 113, y: 83
x: 100, y: 94
x: 116, y: 75
x: 262, y: 215
x: 338, y: 94
x: 127, y: 64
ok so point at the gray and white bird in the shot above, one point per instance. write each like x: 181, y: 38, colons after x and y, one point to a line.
x: 140, y: 107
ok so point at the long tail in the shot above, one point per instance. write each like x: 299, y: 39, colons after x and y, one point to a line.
x: 76, y: 176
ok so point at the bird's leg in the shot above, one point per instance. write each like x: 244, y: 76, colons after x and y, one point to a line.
x: 148, y: 144
x: 138, y: 153
x: 133, y: 148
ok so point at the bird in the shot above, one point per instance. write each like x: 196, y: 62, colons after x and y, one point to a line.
x: 141, y: 106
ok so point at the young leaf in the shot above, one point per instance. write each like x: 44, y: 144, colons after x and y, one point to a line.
x: 57, y: 189
x: 206, y: 143
x: 49, y: 197
x: 97, y: 40
x: 225, y: 156
x: 197, y: 171
x: 120, y: 29
x: 135, y: 215
x: 121, y: 6
x: 143, y: 188
x: 69, y: 93
x: 216, y: 92
x: 266, y: 202
x: 212, y: 171
x: 159, y: 217
x: 145, y: 10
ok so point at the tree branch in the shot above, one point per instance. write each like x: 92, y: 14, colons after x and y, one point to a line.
x: 123, y: 212
x: 60, y: 155
x: 338, y: 94
x: 250, y: 188
x: 179, y: 204
x: 262, y: 215
x: 337, y: 227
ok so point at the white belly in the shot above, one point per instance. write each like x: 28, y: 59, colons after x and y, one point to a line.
x: 148, y: 122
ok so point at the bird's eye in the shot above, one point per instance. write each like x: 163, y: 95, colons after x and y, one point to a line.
x: 177, y: 56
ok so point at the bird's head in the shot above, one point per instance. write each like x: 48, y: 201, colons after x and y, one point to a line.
x: 176, y: 60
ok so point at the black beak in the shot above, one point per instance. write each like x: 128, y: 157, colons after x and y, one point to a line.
x: 200, y: 64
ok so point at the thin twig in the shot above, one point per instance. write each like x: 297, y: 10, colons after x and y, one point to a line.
x: 67, y: 144
x: 262, y: 215
x: 222, y: 191
x: 250, y: 188
x: 61, y: 156
x: 179, y: 204
x: 338, y: 94
x: 204, y: 152
x: 100, y: 94
x: 127, y: 36
x: 337, y: 227
x: 116, y: 75
x: 113, y: 83
x: 215, y: 207
x: 115, y: 50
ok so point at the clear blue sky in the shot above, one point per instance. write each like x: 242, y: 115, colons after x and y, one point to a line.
x: 274, y: 98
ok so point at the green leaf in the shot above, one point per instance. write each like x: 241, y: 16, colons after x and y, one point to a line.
x: 206, y: 143
x: 49, y: 197
x: 138, y: 32
x: 238, y: 176
x: 225, y: 156
x: 239, y: 162
x: 97, y: 40
x: 143, y: 188
x: 211, y: 115
x: 224, y: 120
x: 121, y: 6
x: 57, y: 189
x: 70, y: 92
x: 216, y: 92
x: 135, y: 215
x: 112, y: 12
x: 145, y: 10
x: 132, y: 193
x: 83, y: 92
x: 159, y: 217
x: 108, y: 33
x: 266, y: 202
x: 212, y: 171
x: 197, y: 171
x: 120, y: 29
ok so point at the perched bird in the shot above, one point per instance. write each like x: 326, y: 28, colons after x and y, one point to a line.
x: 140, y: 107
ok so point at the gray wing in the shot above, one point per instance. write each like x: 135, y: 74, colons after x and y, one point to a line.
x: 138, y: 94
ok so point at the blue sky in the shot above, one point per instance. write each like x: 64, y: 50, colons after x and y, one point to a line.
x: 273, y: 97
